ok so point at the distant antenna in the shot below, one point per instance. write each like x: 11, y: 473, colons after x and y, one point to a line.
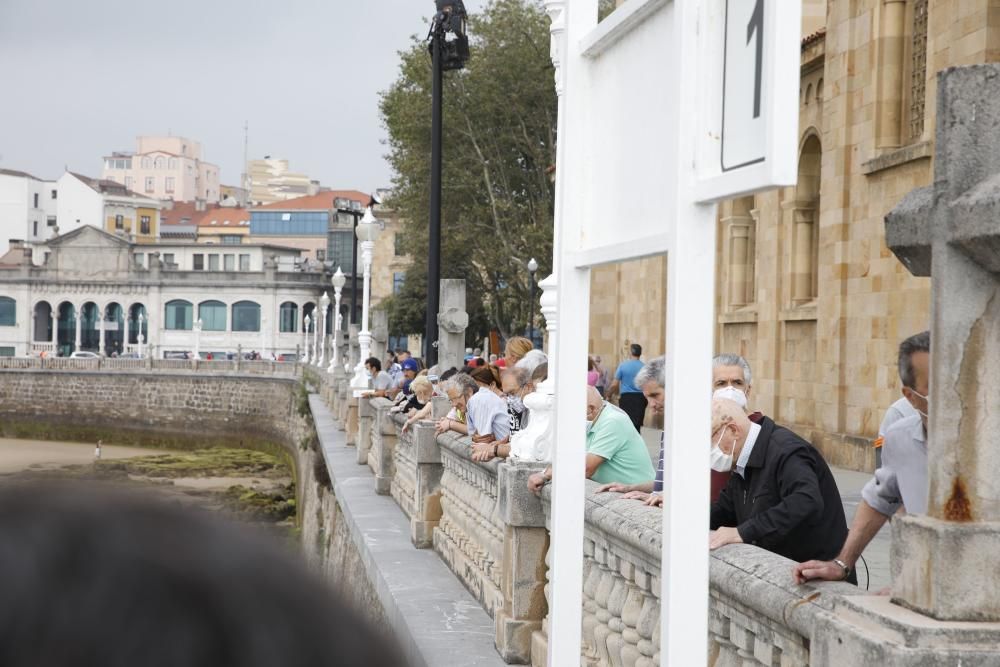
x: 246, y: 164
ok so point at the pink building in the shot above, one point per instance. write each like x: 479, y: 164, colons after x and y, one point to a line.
x: 165, y: 168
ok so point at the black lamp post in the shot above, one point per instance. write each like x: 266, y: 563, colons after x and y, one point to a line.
x: 446, y: 54
x: 532, y: 267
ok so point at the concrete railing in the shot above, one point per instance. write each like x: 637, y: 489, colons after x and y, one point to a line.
x: 493, y: 535
x: 282, y: 368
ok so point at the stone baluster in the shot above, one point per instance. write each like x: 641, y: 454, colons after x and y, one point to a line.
x: 631, y: 609
x: 606, y: 562
x: 591, y: 582
x: 648, y: 623
x: 614, y: 642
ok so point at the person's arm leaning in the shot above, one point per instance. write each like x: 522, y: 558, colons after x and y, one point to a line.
x: 867, y: 522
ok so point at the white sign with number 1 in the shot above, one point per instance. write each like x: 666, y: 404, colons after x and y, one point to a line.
x: 743, y: 134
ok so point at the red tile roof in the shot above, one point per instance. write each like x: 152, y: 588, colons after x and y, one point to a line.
x: 222, y: 216
x: 183, y: 213
x: 322, y: 201
x: 813, y: 38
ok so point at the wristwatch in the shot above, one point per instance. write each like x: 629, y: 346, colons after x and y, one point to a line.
x: 842, y: 564
x: 496, y: 446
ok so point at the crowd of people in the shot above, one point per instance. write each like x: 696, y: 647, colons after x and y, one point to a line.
x: 769, y: 486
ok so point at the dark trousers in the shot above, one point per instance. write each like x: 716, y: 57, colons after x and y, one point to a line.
x: 634, y: 405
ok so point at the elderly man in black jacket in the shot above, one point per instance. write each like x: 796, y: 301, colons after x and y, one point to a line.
x: 782, y: 496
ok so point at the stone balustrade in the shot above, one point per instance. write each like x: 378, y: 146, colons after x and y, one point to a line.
x: 493, y: 535
x: 281, y: 368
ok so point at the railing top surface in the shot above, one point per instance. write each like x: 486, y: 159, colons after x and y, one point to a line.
x: 118, y: 364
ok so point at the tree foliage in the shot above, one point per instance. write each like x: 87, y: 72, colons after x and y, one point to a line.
x: 499, y: 118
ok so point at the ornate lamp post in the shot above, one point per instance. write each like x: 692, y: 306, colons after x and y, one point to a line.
x: 305, y: 339
x: 532, y: 267
x: 197, y: 338
x: 324, y: 303
x: 368, y: 230
x: 315, y: 337
x: 338, y: 280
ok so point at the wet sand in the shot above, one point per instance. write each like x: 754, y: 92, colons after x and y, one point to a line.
x: 18, y: 455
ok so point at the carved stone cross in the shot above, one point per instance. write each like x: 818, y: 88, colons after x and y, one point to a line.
x: 452, y: 323
x: 945, y: 564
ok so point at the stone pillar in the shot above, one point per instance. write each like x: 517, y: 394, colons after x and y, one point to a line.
x: 891, y: 47
x: 427, y: 486
x: 380, y: 334
x: 366, y: 416
x: 79, y: 323
x: 355, y: 348
x: 525, y: 544
x: 945, y: 565
x: 55, y: 330
x: 100, y: 327
x: 383, y: 447
x: 452, y: 323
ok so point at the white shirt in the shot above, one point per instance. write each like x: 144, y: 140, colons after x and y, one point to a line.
x: 901, y: 409
x: 382, y: 381
x: 487, y: 413
x: 741, y: 462
x: 902, y: 479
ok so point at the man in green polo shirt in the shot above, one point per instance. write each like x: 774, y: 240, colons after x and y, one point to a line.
x: 615, y: 451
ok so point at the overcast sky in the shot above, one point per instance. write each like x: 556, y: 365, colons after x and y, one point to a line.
x: 82, y: 78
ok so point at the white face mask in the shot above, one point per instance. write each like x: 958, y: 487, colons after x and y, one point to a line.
x: 733, y: 394
x: 926, y: 398
x: 720, y: 461
x: 590, y: 425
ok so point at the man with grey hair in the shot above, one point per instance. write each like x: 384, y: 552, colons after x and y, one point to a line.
x: 901, y: 482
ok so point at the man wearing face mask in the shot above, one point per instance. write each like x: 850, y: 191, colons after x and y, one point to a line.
x: 781, y: 497
x: 516, y: 384
x: 615, y: 450
x: 901, y: 482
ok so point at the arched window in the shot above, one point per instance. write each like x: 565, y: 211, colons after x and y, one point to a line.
x: 178, y: 316
x: 809, y: 93
x: 8, y: 312
x: 159, y: 163
x: 246, y: 316
x: 147, y: 163
x: 212, y: 315
x: 289, y: 317
x: 805, y: 212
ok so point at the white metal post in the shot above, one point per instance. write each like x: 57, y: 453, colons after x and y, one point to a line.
x: 338, y: 285
x: 305, y: 339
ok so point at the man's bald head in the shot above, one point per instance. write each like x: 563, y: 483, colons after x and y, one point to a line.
x: 594, y: 399
x: 725, y: 411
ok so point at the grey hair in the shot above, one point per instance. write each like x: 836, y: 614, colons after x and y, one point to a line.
x: 730, y: 359
x: 920, y: 342
x: 653, y: 371
x: 520, y: 374
x: 464, y: 383
x: 531, y: 360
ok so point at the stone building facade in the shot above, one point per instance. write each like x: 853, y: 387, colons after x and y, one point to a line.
x: 806, y: 288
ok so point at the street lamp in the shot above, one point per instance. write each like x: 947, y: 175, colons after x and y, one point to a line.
x: 197, y: 338
x: 368, y: 230
x: 305, y: 339
x: 354, y: 209
x: 446, y: 54
x: 532, y: 267
x: 324, y: 304
x: 338, y: 281
x: 315, y: 336
x: 139, y: 338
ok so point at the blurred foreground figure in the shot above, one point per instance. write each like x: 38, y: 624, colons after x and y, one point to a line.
x: 93, y: 577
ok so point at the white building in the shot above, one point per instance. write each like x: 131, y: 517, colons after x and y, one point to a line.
x: 27, y: 207
x: 107, y: 205
x: 165, y: 168
x: 91, y: 288
x: 271, y: 181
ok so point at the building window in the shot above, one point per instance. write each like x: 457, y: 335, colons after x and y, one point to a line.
x: 178, y: 315
x: 340, y: 247
x: 150, y: 183
x: 168, y: 258
x: 212, y: 315
x: 36, y: 200
x: 144, y: 224
x: 230, y: 239
x: 119, y: 222
x: 246, y: 316
x: 34, y: 228
x: 918, y: 69
x: 168, y: 184
x: 213, y: 262
x: 158, y: 163
x: 55, y: 194
x: 398, y: 279
x: 739, y: 234
x: 51, y: 222
x: 288, y: 317
x: 146, y: 163
x: 140, y: 260
x: 244, y: 262
x: 172, y: 164
x: 229, y: 262
x: 199, y: 262
x: 397, y: 242
x: 8, y: 312
x: 6, y: 351
x: 128, y: 182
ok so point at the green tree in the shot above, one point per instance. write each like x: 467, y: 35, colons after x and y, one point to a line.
x: 499, y: 143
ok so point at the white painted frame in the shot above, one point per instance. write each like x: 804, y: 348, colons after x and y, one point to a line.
x: 688, y: 237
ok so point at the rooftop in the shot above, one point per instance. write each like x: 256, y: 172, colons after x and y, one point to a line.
x: 322, y: 201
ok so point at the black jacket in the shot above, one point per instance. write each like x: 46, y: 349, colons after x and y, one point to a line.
x: 788, y: 502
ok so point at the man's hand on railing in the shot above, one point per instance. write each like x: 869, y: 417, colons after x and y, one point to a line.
x: 723, y: 536
x: 482, y: 451
x: 654, y: 500
x: 616, y: 487
x: 824, y: 570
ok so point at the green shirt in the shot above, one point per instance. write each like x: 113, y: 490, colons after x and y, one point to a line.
x: 614, y: 438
